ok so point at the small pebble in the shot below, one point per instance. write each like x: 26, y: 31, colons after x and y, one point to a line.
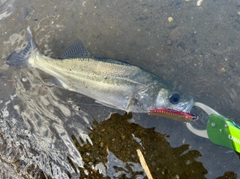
x: 169, y: 42
x: 222, y: 70
x: 101, y: 144
x: 170, y: 19
x: 199, y: 2
x: 123, y: 137
x: 24, y: 80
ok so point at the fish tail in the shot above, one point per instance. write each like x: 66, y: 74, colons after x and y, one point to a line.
x: 24, y: 56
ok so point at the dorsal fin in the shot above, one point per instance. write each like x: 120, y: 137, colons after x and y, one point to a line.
x: 76, y: 50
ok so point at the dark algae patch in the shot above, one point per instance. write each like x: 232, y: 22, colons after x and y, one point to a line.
x: 122, y: 138
x: 228, y: 175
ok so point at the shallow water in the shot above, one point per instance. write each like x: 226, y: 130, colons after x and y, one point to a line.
x: 46, y: 131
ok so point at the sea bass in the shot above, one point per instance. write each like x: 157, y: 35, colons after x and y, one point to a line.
x: 110, y: 82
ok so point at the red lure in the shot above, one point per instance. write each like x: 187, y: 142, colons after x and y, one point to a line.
x: 174, y: 114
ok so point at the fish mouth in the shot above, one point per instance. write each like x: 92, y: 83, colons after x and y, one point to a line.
x: 180, y: 113
x: 188, y: 106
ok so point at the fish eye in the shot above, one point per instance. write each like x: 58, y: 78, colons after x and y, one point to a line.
x: 174, y: 98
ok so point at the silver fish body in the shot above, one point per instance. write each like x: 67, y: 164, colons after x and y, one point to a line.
x: 110, y: 82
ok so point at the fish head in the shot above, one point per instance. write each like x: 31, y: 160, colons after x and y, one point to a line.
x: 174, y: 105
x: 173, y: 100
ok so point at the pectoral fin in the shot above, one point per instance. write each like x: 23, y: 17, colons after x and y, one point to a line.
x: 132, y: 102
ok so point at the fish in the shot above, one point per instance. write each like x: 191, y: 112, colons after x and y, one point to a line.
x: 110, y: 82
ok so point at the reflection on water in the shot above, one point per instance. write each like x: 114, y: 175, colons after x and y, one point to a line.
x: 117, y: 140
x: 36, y: 126
x: 44, y: 133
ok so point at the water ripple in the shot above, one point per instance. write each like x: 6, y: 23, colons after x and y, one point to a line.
x: 6, y: 8
x: 36, y: 125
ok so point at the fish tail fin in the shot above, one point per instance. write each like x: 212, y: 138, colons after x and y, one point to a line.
x: 23, y: 57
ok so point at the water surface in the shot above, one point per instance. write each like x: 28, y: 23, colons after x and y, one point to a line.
x: 47, y: 131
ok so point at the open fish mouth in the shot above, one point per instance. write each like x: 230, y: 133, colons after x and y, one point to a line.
x: 189, y: 103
